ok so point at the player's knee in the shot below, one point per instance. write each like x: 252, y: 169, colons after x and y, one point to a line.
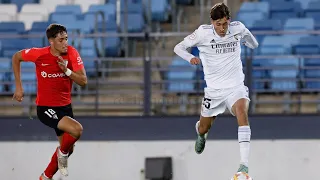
x: 77, y: 130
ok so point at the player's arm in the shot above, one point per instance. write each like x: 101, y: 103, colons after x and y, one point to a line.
x: 190, y: 41
x: 78, y: 75
x: 249, y: 40
x: 17, y: 58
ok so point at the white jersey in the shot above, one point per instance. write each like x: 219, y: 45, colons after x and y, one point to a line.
x: 220, y: 56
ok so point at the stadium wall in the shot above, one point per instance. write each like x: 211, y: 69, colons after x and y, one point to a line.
x: 114, y: 148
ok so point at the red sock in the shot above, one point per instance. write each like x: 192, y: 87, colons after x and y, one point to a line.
x: 52, y: 167
x: 67, y: 143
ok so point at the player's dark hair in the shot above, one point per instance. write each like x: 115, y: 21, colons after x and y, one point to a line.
x: 219, y: 11
x: 54, y: 29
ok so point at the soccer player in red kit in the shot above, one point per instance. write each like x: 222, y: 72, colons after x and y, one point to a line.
x: 57, y: 67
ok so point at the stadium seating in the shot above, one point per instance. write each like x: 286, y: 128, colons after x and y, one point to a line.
x: 4, y: 72
x: 181, y: 80
x: 288, y: 83
x: 287, y: 15
x: 82, y: 16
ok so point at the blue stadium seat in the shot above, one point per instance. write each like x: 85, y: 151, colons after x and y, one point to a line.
x: 40, y: 26
x: 299, y: 24
x: 257, y: 75
x: 176, y: 77
x: 28, y: 78
x: 249, y: 18
x: 135, y: 22
x: 260, y: 73
x: 285, y: 9
x: 132, y: 6
x: 63, y: 18
x: 266, y: 25
x: 159, y: 10
x: 255, y: 7
x: 112, y: 45
x: 308, y: 45
x: 74, y: 9
x: 11, y: 46
x: 5, y: 70
x: 106, y: 9
x: 273, y: 45
x: 20, y: 3
x: 12, y: 27
x: 87, y: 25
x: 290, y: 40
x: 311, y: 62
x: 88, y: 53
x: 313, y: 11
x: 296, y: 24
x: 287, y: 84
x: 311, y: 73
x: 107, y: 26
x: 36, y: 29
x: 304, y: 3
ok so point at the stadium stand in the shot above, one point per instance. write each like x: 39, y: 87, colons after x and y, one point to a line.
x: 83, y: 17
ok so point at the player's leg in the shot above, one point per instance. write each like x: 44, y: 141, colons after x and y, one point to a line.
x: 42, y: 113
x: 240, y: 109
x: 72, y: 131
x: 70, y: 150
x: 210, y: 108
x: 52, y: 167
x: 202, y: 127
x: 239, y: 102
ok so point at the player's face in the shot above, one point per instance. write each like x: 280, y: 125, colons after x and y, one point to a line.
x: 221, y: 26
x: 60, y: 43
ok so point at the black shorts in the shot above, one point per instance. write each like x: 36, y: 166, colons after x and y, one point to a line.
x: 50, y: 116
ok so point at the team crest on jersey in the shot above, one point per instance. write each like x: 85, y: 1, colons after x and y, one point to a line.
x: 193, y: 36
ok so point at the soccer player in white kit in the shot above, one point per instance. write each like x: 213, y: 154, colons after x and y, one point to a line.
x: 220, y: 50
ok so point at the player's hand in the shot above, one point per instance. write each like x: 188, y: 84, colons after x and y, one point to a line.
x: 62, y: 64
x: 195, y: 61
x: 18, y: 94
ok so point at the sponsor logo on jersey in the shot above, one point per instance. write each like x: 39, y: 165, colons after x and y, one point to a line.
x: 53, y: 75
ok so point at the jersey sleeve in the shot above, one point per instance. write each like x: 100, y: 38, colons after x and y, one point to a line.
x: 76, y: 61
x: 31, y: 54
x: 194, y: 38
x: 191, y: 40
x: 249, y: 40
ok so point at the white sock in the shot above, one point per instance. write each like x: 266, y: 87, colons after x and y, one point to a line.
x: 244, y: 136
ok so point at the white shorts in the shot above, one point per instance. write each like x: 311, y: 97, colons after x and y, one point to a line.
x: 215, y: 101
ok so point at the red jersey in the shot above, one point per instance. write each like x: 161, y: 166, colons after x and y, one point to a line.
x: 54, y: 87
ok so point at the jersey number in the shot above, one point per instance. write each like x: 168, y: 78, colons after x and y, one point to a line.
x: 50, y: 112
x: 206, y: 102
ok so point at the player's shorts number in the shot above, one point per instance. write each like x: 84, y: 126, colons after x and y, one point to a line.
x: 50, y: 112
x: 206, y: 102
